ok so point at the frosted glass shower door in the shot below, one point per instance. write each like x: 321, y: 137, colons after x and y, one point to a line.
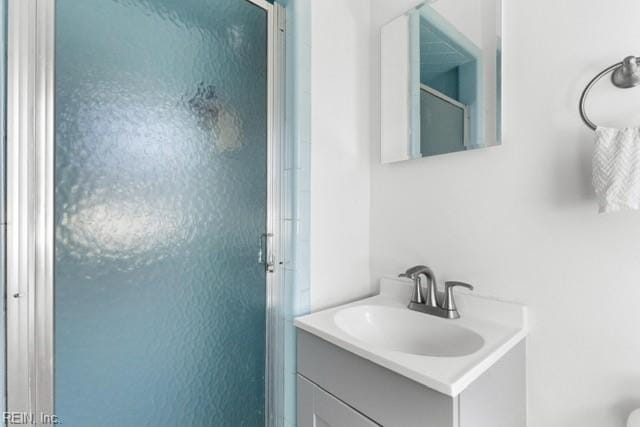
x: 161, y: 142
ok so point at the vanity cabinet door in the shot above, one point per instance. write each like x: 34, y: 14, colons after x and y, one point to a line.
x: 317, y: 408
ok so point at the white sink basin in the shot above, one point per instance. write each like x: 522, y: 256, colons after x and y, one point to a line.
x: 442, y: 354
x: 406, y: 331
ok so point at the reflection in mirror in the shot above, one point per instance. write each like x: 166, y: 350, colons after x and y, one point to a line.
x: 440, y: 76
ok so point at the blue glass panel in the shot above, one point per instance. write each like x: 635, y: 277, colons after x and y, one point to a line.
x: 161, y: 120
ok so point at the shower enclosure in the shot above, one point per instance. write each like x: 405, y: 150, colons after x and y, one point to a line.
x: 143, y: 198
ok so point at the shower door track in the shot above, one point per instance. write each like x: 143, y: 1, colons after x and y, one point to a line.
x: 30, y: 208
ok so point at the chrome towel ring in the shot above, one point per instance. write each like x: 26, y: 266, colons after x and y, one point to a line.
x: 626, y: 74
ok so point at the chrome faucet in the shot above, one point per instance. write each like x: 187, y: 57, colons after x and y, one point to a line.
x: 430, y: 304
x: 431, y: 300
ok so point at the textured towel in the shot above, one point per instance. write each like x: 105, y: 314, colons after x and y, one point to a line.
x: 616, y: 169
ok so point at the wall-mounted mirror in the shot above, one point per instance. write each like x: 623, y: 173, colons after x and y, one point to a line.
x: 441, y: 79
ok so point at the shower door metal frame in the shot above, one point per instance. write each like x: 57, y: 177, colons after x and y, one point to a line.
x: 30, y: 207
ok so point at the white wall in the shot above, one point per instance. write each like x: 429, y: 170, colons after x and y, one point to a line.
x: 519, y: 221
x: 340, y: 151
x: 465, y: 17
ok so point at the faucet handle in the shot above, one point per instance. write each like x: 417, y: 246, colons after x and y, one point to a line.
x: 449, y: 302
x: 413, y: 274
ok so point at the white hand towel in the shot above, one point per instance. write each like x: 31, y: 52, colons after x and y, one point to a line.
x: 616, y: 169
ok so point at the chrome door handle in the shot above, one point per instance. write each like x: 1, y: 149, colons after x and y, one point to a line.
x: 265, y: 252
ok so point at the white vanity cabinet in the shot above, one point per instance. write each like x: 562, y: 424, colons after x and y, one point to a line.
x: 337, y: 388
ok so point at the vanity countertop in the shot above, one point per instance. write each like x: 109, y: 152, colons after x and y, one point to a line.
x: 501, y: 325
